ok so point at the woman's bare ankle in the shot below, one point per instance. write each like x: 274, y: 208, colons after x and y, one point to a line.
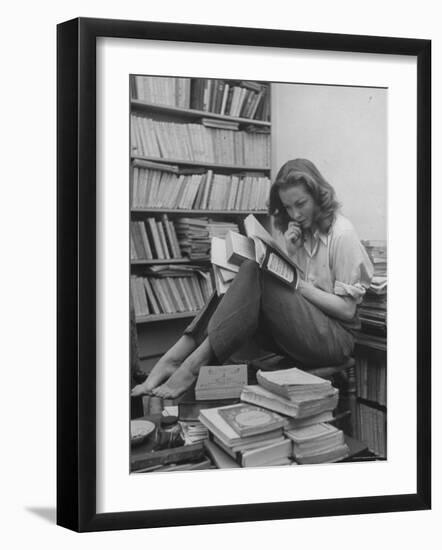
x: 179, y: 352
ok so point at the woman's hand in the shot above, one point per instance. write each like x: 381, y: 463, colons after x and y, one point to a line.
x: 293, y: 235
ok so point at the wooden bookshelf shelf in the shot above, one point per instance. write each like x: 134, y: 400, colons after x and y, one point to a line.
x: 165, y: 317
x: 370, y: 403
x: 162, y: 261
x: 194, y: 114
x: 170, y: 261
x: 198, y: 212
x: 209, y: 165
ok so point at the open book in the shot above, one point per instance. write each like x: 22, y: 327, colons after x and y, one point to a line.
x: 258, y: 245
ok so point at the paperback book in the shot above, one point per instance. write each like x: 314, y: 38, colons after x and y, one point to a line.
x: 257, y: 245
x: 293, y: 383
x: 303, y: 407
x: 217, y: 425
x: 220, y: 382
x: 248, y: 419
x: 318, y: 443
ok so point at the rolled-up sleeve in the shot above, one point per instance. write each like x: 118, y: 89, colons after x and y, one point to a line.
x: 351, y: 266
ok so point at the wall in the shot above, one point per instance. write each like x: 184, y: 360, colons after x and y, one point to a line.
x: 343, y: 131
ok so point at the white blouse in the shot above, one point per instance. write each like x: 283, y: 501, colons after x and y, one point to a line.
x: 338, y: 262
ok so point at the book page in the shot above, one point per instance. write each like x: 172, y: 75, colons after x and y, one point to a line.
x: 220, y: 285
x: 280, y: 267
x: 260, y: 250
x: 255, y: 229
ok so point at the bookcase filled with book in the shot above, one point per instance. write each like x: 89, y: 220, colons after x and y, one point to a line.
x: 200, y: 163
x: 371, y: 356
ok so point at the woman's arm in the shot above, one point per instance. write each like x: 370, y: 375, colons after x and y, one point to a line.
x: 341, y: 307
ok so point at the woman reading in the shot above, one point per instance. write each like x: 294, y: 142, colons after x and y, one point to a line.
x: 311, y: 324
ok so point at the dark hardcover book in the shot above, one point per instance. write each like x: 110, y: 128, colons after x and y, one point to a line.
x: 213, y: 95
x: 140, y: 458
x: 219, y: 96
x: 196, y: 93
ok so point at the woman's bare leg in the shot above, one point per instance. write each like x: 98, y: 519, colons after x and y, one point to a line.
x: 234, y: 319
x: 167, y: 365
x: 186, y: 374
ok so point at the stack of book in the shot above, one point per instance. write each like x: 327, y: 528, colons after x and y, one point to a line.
x: 251, y: 435
x: 373, y: 309
x: 198, y: 143
x: 195, y: 234
x: 154, y: 239
x: 294, y: 393
x: 220, y: 229
x: 193, y: 237
x: 371, y: 380
x: 317, y: 444
x: 371, y: 361
x: 377, y: 251
x: 153, y: 184
x: 170, y: 289
x: 307, y: 401
x: 216, y: 386
x: 372, y: 428
x: 193, y: 432
x: 244, y: 191
x: 245, y: 98
x: 156, y: 186
x: 162, y: 90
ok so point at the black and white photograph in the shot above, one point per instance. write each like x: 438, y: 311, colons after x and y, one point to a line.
x: 258, y: 274
x: 221, y: 249
x: 237, y: 210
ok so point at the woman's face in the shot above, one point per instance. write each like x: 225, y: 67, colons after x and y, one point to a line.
x: 299, y: 205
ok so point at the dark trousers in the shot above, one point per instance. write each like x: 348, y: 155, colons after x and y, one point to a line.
x: 258, y: 307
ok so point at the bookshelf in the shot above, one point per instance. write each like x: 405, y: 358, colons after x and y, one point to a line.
x: 200, y: 212
x: 371, y: 356
x: 371, y: 382
x: 194, y: 114
x: 213, y: 165
x: 200, y: 163
x: 166, y: 317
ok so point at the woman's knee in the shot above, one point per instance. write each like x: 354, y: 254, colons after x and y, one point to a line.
x: 249, y: 267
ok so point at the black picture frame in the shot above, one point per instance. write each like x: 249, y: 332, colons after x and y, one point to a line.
x: 76, y: 273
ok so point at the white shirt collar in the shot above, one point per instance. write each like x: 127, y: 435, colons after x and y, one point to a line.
x: 317, y: 236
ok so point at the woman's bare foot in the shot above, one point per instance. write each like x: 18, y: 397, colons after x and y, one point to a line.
x: 186, y: 374
x: 161, y: 372
x: 177, y: 384
x: 166, y: 366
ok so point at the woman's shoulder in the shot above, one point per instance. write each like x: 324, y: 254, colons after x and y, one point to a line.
x: 341, y: 226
